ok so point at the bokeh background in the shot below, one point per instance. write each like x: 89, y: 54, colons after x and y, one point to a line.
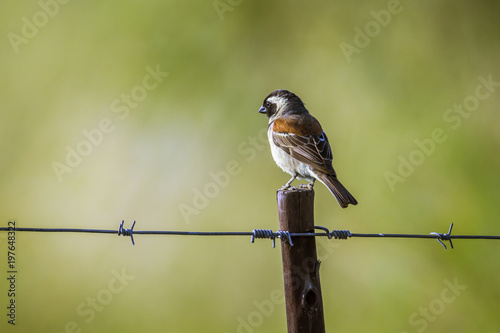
x: 82, y: 67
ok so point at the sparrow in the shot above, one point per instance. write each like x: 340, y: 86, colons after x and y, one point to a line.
x: 299, y: 145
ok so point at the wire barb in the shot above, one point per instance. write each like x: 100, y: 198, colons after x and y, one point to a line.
x: 341, y: 234
x: 444, y: 237
x: 262, y: 233
x: 126, y: 232
x: 285, y: 236
x: 337, y: 234
x: 267, y: 233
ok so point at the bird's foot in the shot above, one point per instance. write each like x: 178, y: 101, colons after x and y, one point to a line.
x: 288, y: 187
x: 306, y: 186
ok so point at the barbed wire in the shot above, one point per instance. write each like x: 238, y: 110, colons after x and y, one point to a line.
x: 285, y: 236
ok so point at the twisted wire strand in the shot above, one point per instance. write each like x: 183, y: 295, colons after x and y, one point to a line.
x: 262, y: 233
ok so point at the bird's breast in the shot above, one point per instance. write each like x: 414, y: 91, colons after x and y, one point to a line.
x: 286, y: 162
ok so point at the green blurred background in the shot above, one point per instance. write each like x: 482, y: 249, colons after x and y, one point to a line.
x: 75, y: 70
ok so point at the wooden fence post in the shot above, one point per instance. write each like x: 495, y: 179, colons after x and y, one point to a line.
x: 304, y: 304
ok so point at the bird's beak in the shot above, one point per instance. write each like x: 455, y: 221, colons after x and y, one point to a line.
x: 262, y: 110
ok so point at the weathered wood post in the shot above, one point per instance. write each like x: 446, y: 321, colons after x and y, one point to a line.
x: 304, y: 304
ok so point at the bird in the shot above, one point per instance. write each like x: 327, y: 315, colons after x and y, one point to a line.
x: 299, y: 145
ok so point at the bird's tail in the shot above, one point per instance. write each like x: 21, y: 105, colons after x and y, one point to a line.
x: 338, y: 190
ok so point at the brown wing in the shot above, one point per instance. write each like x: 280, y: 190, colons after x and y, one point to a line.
x: 312, y: 149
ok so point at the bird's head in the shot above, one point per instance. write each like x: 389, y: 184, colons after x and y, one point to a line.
x: 281, y: 102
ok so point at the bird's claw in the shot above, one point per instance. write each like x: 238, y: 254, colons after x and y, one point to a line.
x: 306, y: 186
x: 288, y: 187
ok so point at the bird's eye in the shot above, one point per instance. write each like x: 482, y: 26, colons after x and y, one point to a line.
x: 267, y: 104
